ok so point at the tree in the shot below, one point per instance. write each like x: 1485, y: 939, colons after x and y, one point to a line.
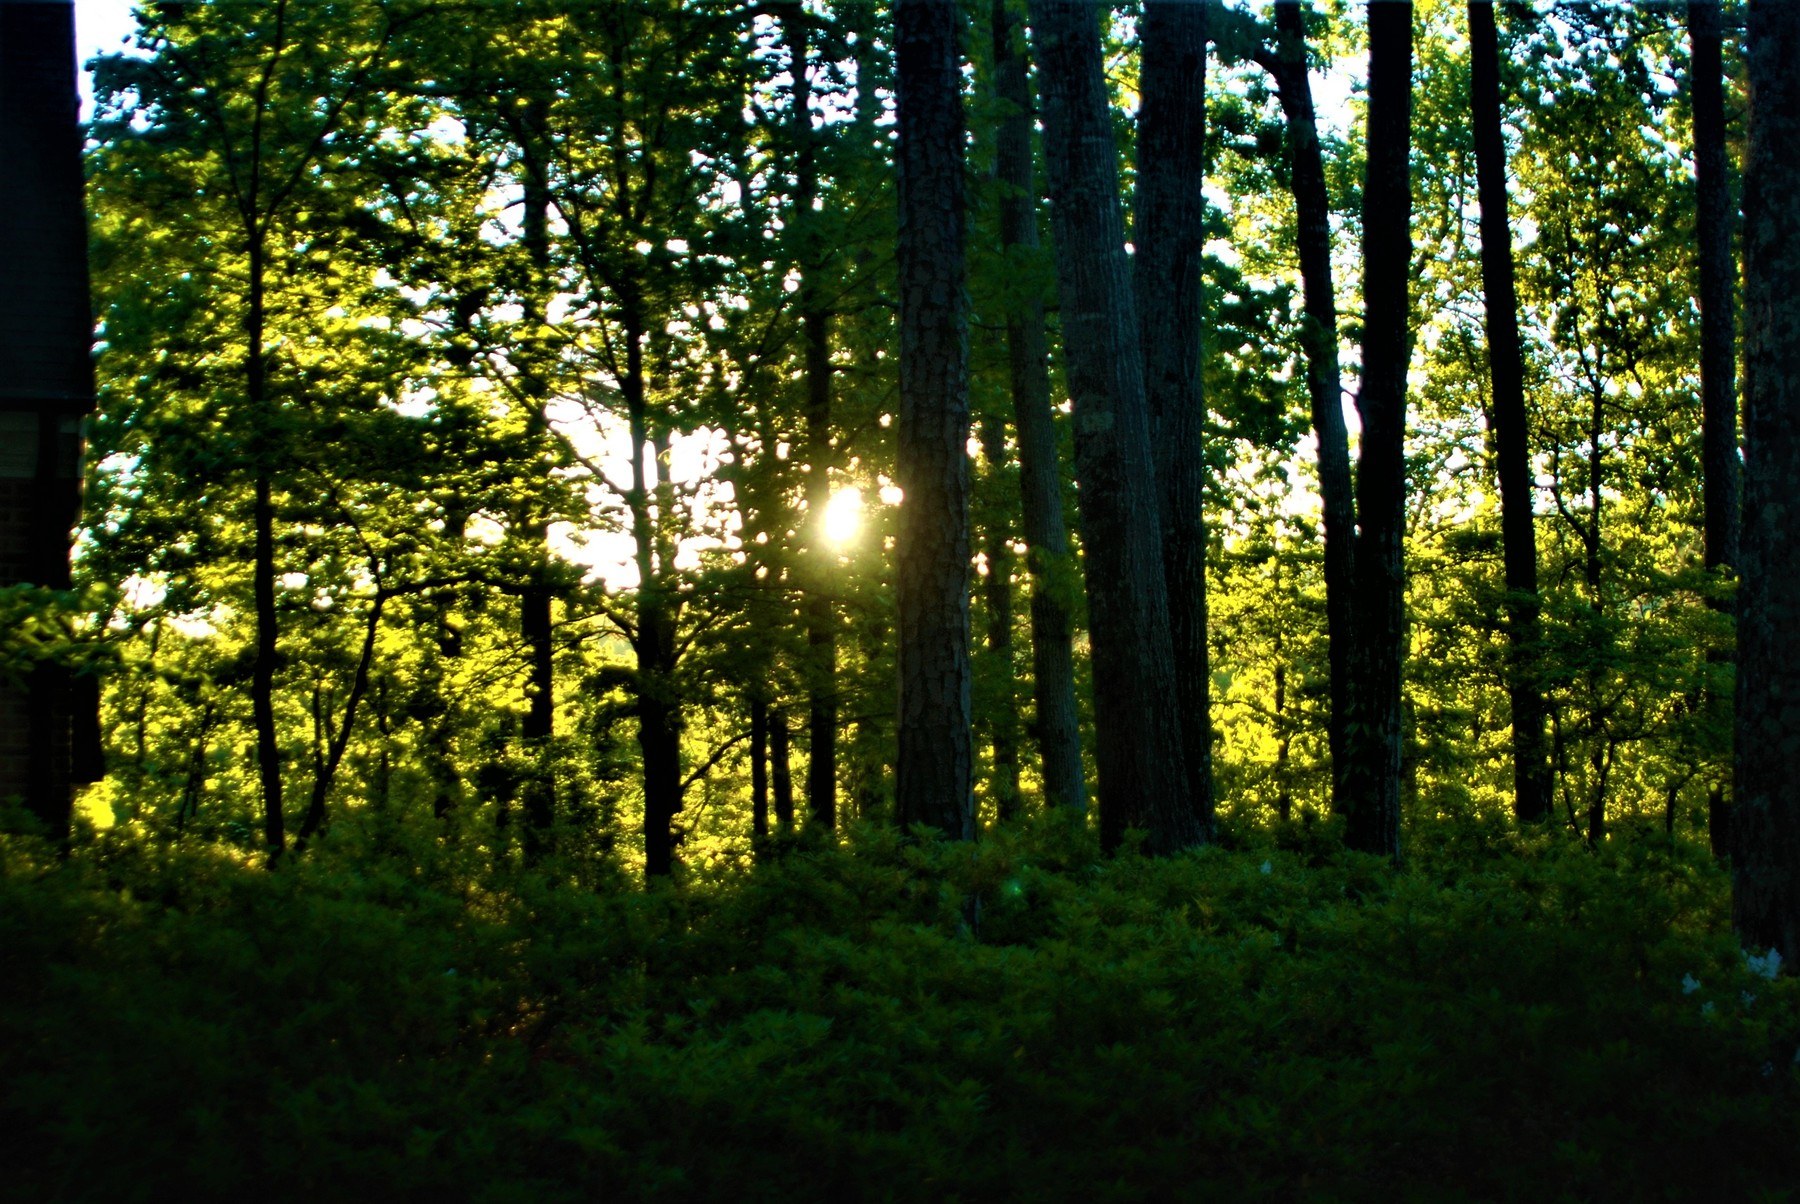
x: 258, y: 118
x: 1765, y: 873
x: 1373, y: 737
x: 1287, y: 64
x: 1056, y: 727
x: 1138, y: 740
x: 936, y: 757
x: 1506, y: 368
x: 815, y: 320
x: 1169, y: 236
x: 1718, y: 321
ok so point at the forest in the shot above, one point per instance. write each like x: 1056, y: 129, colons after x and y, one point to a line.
x: 902, y: 599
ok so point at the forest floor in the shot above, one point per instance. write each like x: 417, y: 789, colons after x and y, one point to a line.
x: 1505, y: 1017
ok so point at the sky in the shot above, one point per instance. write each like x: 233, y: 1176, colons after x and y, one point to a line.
x: 101, y: 26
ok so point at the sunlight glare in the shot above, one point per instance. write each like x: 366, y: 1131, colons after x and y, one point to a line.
x: 843, y: 517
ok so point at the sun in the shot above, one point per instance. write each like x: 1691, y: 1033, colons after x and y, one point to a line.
x: 843, y: 517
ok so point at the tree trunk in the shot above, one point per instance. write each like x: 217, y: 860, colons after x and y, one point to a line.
x: 1002, y: 722
x: 815, y: 323
x: 1170, y: 239
x: 1143, y: 777
x: 538, y: 729
x: 1056, y: 727
x: 1718, y: 367
x: 936, y: 753
x: 658, y: 708
x: 262, y: 572
x: 1765, y: 878
x: 1506, y: 366
x: 781, y: 778
x: 759, y: 768
x: 1323, y: 381
x: 1373, y: 738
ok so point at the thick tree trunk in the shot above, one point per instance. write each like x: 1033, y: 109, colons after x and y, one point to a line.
x: 1170, y: 238
x: 1506, y: 367
x: 1002, y: 722
x: 936, y: 752
x: 1765, y: 878
x: 1718, y: 366
x: 1373, y: 738
x: 1143, y: 777
x: 1056, y: 727
x: 1323, y: 381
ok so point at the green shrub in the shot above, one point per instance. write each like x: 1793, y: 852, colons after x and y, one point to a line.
x: 1504, y: 1018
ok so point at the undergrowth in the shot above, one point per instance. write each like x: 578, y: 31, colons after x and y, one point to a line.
x: 1503, y: 1018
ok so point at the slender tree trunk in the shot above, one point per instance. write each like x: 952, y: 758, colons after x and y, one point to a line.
x: 1056, y: 727
x: 1765, y: 875
x: 262, y: 573
x: 936, y: 755
x: 439, y: 751
x: 815, y: 324
x: 1506, y: 366
x: 1143, y: 776
x: 338, y: 741
x: 1718, y: 367
x: 1002, y: 722
x: 1170, y: 237
x: 1284, y: 782
x: 658, y: 708
x: 781, y: 778
x: 759, y: 768
x: 1323, y: 381
x: 538, y: 728
x: 1373, y: 741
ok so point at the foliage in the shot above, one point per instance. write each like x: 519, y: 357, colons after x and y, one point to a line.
x: 908, y: 1021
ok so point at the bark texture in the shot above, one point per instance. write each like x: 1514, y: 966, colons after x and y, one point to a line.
x: 1373, y: 737
x: 1170, y: 238
x: 936, y: 752
x: 1056, y: 727
x: 1506, y: 369
x: 1765, y: 878
x: 1324, y: 382
x: 1143, y: 777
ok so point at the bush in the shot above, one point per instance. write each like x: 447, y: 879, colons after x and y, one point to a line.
x: 901, y: 1019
